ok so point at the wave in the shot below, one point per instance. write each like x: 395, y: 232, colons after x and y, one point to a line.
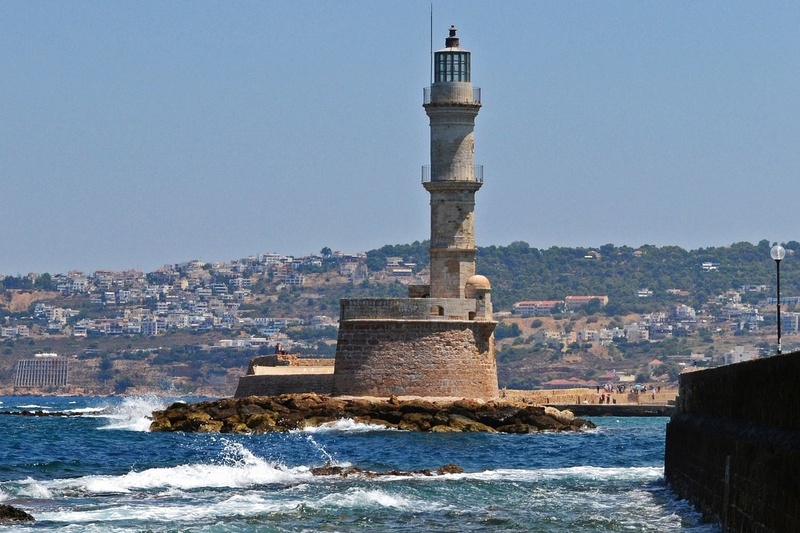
x: 240, y: 505
x: 33, y: 406
x: 237, y: 468
x: 573, y: 473
x: 132, y: 414
x: 25, y: 488
x: 86, y: 410
x: 374, y: 498
x: 345, y: 425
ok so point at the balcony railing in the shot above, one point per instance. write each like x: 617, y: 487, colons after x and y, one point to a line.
x: 452, y: 173
x: 452, y: 93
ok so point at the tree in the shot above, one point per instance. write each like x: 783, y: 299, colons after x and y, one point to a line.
x: 673, y: 370
x: 45, y: 283
x: 123, y: 384
x: 505, y: 331
x: 706, y: 335
x: 326, y: 252
x: 593, y: 306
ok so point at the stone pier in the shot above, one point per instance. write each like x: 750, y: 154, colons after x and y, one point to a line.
x: 733, y: 444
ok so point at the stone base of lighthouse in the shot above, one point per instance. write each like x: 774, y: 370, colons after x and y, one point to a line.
x: 415, y: 347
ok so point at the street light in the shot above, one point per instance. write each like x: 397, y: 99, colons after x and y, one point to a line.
x: 777, y: 253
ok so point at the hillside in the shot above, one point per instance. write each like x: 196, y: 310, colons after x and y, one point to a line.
x: 725, y: 289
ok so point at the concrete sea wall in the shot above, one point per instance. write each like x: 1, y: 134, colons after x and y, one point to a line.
x: 733, y: 444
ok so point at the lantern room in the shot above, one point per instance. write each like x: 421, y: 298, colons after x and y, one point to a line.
x: 451, y: 63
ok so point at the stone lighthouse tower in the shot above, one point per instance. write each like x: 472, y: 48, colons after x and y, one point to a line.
x: 439, y: 341
x: 452, y: 178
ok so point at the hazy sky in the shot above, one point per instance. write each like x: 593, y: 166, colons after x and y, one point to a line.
x: 134, y: 134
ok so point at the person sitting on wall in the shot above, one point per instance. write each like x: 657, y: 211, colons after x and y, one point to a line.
x: 278, y: 350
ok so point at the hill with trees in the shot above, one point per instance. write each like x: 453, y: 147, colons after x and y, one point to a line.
x: 667, y: 276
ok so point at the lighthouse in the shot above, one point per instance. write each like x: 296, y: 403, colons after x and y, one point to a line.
x: 439, y: 341
x: 452, y: 178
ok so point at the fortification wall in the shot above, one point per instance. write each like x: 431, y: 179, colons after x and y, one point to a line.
x: 407, y: 308
x: 733, y: 444
x: 416, y: 357
x: 274, y: 384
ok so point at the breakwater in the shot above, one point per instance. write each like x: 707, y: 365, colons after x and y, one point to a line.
x: 266, y: 414
x: 733, y: 444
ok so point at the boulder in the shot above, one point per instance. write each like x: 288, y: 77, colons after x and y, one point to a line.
x: 10, y: 514
x: 565, y: 417
x: 463, y: 423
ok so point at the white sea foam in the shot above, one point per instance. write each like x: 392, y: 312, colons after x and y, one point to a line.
x: 238, y: 468
x: 87, y: 411
x: 237, y: 505
x: 372, y: 498
x: 133, y: 413
x: 345, y: 425
x: 33, y: 406
x: 25, y: 488
x: 586, y: 473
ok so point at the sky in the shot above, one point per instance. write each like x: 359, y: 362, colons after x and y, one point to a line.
x: 138, y: 134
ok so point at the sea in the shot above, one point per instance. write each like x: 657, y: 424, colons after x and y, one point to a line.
x: 102, y: 470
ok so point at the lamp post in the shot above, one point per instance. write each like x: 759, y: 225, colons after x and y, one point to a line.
x: 777, y: 253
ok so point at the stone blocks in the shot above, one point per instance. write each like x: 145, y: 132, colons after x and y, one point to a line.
x: 444, y: 358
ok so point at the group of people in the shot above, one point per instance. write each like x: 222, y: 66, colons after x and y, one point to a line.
x: 608, y: 390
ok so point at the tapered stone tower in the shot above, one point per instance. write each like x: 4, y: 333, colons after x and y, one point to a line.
x: 439, y: 341
x: 452, y: 178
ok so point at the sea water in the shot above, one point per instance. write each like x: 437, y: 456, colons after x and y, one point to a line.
x: 101, y: 470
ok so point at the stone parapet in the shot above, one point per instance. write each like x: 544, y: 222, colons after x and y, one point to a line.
x: 407, y: 309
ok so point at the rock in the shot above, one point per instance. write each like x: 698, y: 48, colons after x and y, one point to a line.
x: 449, y: 469
x: 518, y: 428
x: 161, y: 424
x: 463, y: 423
x: 330, y: 470
x: 260, y: 414
x: 211, y: 426
x: 444, y: 429
x: 9, y: 514
x: 416, y: 422
x: 565, y: 417
x: 344, y: 471
x: 262, y: 423
x: 418, y: 406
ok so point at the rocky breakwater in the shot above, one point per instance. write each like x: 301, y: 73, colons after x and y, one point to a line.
x: 263, y: 414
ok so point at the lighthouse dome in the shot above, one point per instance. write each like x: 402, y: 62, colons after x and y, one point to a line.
x: 477, y: 281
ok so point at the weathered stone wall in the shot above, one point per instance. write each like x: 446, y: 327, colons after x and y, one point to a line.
x: 273, y: 385
x: 416, y: 357
x: 733, y: 445
x: 407, y: 308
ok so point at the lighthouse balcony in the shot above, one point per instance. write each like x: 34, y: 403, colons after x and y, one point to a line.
x: 452, y: 93
x: 452, y: 173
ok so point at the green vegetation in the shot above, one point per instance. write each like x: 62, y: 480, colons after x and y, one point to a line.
x: 417, y: 252
x: 519, y: 272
